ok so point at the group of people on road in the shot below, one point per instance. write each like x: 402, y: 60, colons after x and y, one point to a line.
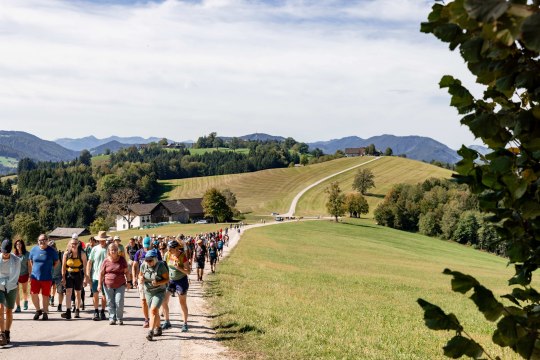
x: 157, y: 266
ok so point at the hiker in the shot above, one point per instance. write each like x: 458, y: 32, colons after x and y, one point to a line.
x: 57, y: 286
x: 179, y: 269
x: 154, y: 276
x: 73, y: 275
x: 137, y: 263
x: 43, y: 258
x: 220, y: 247
x: 23, y: 254
x: 213, y: 254
x: 113, y: 279
x: 131, y: 250
x: 121, y: 250
x: 97, y: 256
x: 201, y: 256
x: 10, y: 269
x: 162, y: 247
x: 91, y: 243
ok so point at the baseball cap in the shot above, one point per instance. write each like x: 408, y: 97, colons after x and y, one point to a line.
x: 151, y: 254
x: 146, y: 242
x: 75, y: 236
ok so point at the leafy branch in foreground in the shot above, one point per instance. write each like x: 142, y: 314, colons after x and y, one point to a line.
x: 500, y: 43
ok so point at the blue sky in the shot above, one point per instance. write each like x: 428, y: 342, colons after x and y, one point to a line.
x: 313, y: 70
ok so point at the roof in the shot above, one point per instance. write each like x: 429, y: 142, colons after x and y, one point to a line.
x: 143, y: 209
x: 175, y: 206
x: 67, y: 232
x: 193, y: 205
x: 355, y: 150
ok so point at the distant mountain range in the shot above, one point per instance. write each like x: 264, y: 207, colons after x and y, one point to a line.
x: 415, y: 147
x: 17, y: 145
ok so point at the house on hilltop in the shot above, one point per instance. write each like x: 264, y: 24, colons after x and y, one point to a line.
x: 351, y: 152
x: 180, y: 210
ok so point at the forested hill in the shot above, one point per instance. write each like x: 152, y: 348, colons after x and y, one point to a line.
x: 18, y: 145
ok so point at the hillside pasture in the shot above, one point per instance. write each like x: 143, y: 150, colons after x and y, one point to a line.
x: 325, y: 290
x: 260, y: 192
x: 8, y: 162
x: 388, y: 171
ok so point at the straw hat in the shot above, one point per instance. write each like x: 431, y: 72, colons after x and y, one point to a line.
x: 102, y: 236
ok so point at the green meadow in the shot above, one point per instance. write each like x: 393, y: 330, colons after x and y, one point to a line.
x: 323, y: 290
x: 8, y: 161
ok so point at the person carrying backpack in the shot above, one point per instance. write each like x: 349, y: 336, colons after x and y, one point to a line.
x: 201, y: 256
x: 73, y: 275
x: 213, y: 255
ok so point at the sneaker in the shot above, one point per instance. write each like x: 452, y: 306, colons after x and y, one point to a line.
x: 150, y: 336
x: 112, y: 322
x: 82, y: 307
x: 37, y: 314
x: 166, y: 325
x: 18, y: 309
x: 96, y: 316
x: 25, y: 305
x: 102, y: 315
x: 184, y: 327
x: 77, y: 314
x: 59, y: 308
x: 7, y: 333
x: 158, y: 331
x: 66, y: 315
x: 120, y: 322
x: 51, y: 301
x: 146, y: 323
x: 3, y: 340
x: 45, y: 317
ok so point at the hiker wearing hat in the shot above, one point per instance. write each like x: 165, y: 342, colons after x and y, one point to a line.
x: 137, y: 264
x: 97, y: 256
x: 10, y: 269
x: 201, y: 256
x: 155, y: 277
x: 121, y: 250
x: 179, y: 269
x: 43, y: 259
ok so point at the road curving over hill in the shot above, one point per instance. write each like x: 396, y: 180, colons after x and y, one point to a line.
x: 292, y: 208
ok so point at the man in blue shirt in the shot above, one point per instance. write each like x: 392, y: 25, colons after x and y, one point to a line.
x: 43, y: 259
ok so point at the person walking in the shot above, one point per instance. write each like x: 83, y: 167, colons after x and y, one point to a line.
x: 201, y: 256
x: 24, y: 276
x: 137, y: 264
x: 43, y: 259
x: 179, y: 269
x: 131, y: 250
x: 10, y: 269
x: 73, y: 275
x: 57, y: 286
x: 113, y: 279
x: 97, y: 256
x: 155, y: 277
x: 213, y: 254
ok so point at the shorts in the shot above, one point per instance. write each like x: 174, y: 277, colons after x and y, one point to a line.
x: 95, y: 284
x: 213, y: 260
x: 40, y: 286
x: 24, y: 278
x: 179, y: 286
x: 74, y: 280
x: 200, y: 263
x: 7, y: 298
x: 60, y: 289
x: 154, y: 300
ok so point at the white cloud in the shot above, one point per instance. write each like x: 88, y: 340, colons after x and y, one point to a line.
x: 313, y: 70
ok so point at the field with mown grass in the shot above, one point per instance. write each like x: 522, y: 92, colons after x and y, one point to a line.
x: 388, y: 171
x: 321, y: 290
x: 263, y: 192
x: 260, y: 192
x: 100, y: 159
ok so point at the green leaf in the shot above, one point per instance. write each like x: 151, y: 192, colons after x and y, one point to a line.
x: 447, y: 32
x: 459, y: 346
x: 436, y: 319
x: 487, y: 304
x: 530, y: 32
x: 486, y: 10
x: 470, y: 49
x: 461, y: 282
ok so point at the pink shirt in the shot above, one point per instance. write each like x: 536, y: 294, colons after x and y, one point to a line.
x: 114, y: 272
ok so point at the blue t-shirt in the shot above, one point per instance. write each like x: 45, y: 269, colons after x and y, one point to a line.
x: 42, y: 263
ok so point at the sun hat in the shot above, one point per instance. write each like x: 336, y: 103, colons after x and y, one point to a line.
x: 173, y: 244
x: 7, y: 245
x: 151, y: 254
x: 199, y: 241
x: 146, y: 242
x: 102, y: 236
x: 74, y: 236
x: 116, y: 238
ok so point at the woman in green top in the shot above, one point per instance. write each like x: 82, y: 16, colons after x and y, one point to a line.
x: 26, y: 269
x: 155, y: 277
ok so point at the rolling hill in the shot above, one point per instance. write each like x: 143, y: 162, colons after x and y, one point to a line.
x: 272, y: 190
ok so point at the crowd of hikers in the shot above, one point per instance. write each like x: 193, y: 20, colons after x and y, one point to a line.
x: 156, y: 266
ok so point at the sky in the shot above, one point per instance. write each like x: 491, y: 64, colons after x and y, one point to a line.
x: 314, y: 70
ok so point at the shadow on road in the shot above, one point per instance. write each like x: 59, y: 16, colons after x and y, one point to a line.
x: 65, y: 342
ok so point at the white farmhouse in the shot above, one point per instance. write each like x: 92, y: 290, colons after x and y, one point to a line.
x: 140, y: 215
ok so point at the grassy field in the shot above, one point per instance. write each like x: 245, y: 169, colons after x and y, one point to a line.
x: 100, y: 159
x: 260, y: 192
x: 387, y: 170
x: 8, y: 162
x: 272, y: 190
x: 321, y: 290
x: 204, y: 151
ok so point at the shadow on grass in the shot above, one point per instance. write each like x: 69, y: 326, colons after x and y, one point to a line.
x: 161, y: 191
x: 361, y: 225
x: 235, y: 328
x: 378, y: 196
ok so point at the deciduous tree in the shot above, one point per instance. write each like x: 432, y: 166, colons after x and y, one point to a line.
x: 336, y: 200
x: 363, y: 181
x: 356, y: 204
x: 215, y: 205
